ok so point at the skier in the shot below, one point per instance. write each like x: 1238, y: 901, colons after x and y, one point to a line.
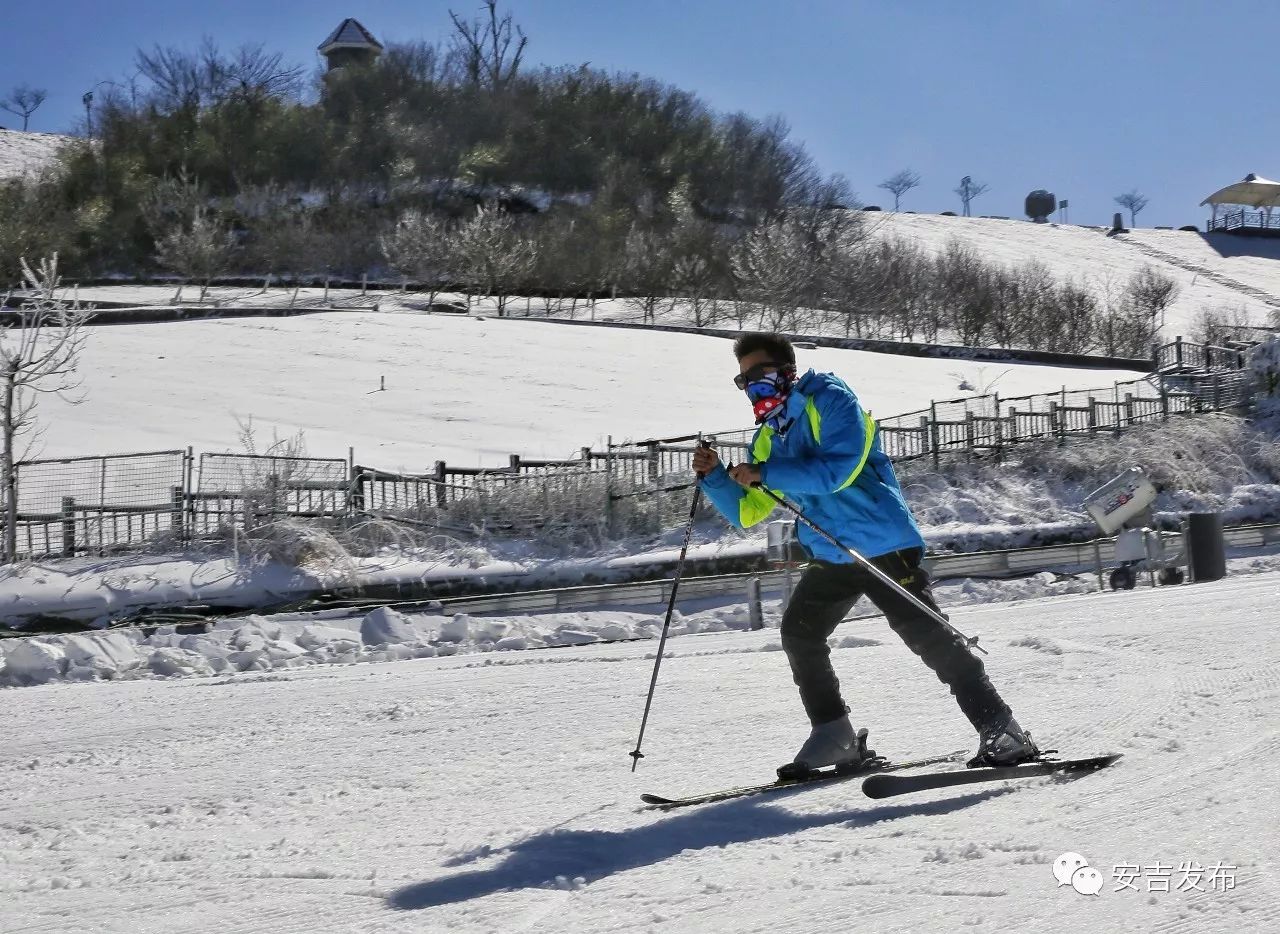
x: 818, y: 446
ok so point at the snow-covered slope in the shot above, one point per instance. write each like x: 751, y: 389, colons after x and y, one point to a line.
x: 1252, y: 261
x: 1089, y: 257
x: 22, y: 153
x: 459, y: 389
x: 493, y: 793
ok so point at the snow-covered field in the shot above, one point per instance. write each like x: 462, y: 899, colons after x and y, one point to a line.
x: 492, y: 792
x: 1097, y: 261
x: 23, y: 153
x: 1254, y: 261
x: 461, y: 389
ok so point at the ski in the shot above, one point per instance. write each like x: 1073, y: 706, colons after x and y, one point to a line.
x: 886, y: 786
x: 821, y: 776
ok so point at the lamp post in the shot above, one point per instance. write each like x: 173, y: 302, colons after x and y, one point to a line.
x: 87, y: 99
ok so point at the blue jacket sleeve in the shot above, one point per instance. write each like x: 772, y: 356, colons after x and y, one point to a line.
x: 842, y: 449
x: 724, y: 493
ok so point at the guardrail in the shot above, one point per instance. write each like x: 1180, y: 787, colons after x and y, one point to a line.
x: 1075, y: 557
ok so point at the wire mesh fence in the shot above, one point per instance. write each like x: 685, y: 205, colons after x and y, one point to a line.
x: 249, y: 489
x: 99, y: 504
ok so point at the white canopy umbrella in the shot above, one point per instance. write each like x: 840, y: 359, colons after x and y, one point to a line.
x: 1254, y: 192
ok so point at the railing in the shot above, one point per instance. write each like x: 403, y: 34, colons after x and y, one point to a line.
x: 1244, y: 220
x: 1183, y: 355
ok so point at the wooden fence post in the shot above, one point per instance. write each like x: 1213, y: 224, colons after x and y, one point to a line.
x: 933, y: 431
x: 1093, y: 415
x: 441, y: 492
x: 924, y: 434
x: 356, y: 497
x: 608, y: 486
x: 654, y: 462
x: 1056, y: 426
x: 1128, y: 409
x: 513, y: 463
x: 1013, y: 424
x: 970, y: 437
x: 68, y: 526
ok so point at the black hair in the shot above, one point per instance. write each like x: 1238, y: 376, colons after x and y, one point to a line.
x: 777, y: 345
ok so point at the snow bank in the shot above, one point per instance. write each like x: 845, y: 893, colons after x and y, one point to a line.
x: 282, y: 642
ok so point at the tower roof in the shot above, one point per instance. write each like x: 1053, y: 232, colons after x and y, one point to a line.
x: 350, y: 34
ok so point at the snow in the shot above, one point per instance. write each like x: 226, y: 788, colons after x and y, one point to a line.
x: 466, y: 390
x: 1252, y: 261
x: 484, y: 792
x: 1094, y: 260
x: 26, y: 153
x: 261, y: 642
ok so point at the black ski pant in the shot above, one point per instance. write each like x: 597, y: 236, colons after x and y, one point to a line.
x: 823, y: 598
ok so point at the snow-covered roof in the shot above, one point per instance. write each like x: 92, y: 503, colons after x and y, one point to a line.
x: 350, y: 34
x: 1255, y: 191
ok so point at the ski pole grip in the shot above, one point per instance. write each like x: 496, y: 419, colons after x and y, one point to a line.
x: 702, y: 446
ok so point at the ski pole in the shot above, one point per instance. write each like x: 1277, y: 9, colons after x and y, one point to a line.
x: 636, y: 754
x: 857, y: 556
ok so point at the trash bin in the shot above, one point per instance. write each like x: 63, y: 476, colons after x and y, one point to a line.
x: 1206, y: 547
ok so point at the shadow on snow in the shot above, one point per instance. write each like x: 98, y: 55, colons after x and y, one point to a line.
x: 536, y: 861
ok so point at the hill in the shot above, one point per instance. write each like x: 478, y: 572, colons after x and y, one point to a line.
x: 27, y: 153
x: 1089, y: 257
x: 466, y: 390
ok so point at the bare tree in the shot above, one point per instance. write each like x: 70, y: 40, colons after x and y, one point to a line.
x: 1152, y: 292
x: 774, y: 267
x: 900, y: 184
x: 191, y: 80
x: 646, y: 270
x: 968, y: 189
x: 39, y: 355
x: 23, y: 102
x: 198, y: 249
x: 421, y: 246
x: 1135, y: 202
x: 493, y: 255
x: 485, y: 48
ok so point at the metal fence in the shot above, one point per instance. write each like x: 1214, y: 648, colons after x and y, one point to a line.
x: 250, y: 489
x: 100, y: 505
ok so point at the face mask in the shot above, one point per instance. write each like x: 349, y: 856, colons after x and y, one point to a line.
x: 768, y: 395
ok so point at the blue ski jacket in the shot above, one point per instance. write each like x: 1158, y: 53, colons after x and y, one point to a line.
x: 829, y: 462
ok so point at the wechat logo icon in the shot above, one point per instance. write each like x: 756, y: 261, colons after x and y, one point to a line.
x: 1074, y: 870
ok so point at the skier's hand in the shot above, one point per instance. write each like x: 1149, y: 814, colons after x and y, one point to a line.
x: 747, y: 475
x: 705, y: 460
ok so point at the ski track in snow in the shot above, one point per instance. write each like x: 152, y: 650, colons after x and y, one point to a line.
x: 481, y: 793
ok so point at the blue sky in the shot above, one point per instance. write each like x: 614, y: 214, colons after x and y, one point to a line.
x: 1087, y: 98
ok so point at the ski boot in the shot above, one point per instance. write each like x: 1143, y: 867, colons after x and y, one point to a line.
x: 835, y: 743
x: 1004, y: 745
